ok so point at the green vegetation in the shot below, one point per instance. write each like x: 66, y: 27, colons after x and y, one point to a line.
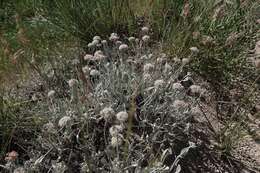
x: 43, y: 37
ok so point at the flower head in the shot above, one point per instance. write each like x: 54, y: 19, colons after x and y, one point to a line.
x: 185, y: 61
x: 97, y: 38
x: 64, y: 121
x: 123, y: 47
x: 51, y: 94
x: 115, y: 130
x: 88, y: 57
x: 194, y: 50
x: 116, y: 141
x: 11, y: 156
x: 177, y: 86
x: 131, y: 39
x: 99, y: 55
x: 146, y: 38
x: 95, y: 42
x: 104, y: 42
x: 159, y: 83
x: 73, y: 82
x: 145, y: 30
x: 148, y: 68
x: 113, y: 37
x: 196, y: 89
x: 91, y: 45
x: 94, y: 72
x: 122, y: 116
x: 107, y: 113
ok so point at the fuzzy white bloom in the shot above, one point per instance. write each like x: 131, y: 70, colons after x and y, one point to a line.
x: 145, y: 30
x: 118, y: 43
x: 131, y: 39
x: 97, y: 38
x: 51, y: 94
x: 179, y: 105
x: 73, y: 82
x: 146, y: 38
x: 159, y: 83
x: 196, y: 89
x: 122, y: 116
x: 177, y: 86
x: 115, y: 130
x: 64, y: 121
x: 177, y: 60
x: 123, y: 47
x: 150, y: 56
x: 116, y: 141
x: 95, y: 42
x: 107, y: 113
x: 104, y: 42
x: 86, y: 69
x: 94, y: 72
x: 91, y: 45
x: 185, y: 61
x: 148, y: 68
x: 99, y: 55
x: 88, y: 57
x: 194, y: 50
x: 113, y: 37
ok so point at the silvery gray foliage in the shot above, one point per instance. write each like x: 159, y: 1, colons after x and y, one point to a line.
x: 133, y: 107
